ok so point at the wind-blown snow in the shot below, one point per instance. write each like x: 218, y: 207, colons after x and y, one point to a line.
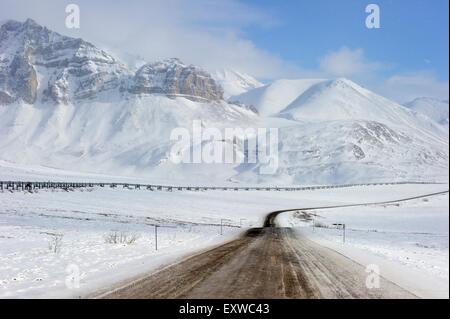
x: 435, y: 109
x: 234, y: 82
x: 274, y: 97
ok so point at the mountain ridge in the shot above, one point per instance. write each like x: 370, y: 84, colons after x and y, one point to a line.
x: 42, y: 64
x: 75, y: 107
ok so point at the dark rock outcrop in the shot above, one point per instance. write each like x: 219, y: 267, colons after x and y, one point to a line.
x: 173, y: 78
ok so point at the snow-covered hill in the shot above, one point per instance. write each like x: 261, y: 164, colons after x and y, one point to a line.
x: 343, y: 99
x: 274, y: 97
x: 65, y: 104
x: 234, y: 82
x: 435, y: 109
x: 330, y: 100
x: 124, y: 137
x: 325, y: 152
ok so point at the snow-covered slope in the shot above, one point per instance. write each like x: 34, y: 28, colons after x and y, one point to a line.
x: 353, y: 151
x: 343, y: 99
x: 124, y: 137
x: 274, y: 97
x: 234, y: 82
x: 435, y: 109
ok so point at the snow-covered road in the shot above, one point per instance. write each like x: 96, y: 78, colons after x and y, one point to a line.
x: 29, y: 222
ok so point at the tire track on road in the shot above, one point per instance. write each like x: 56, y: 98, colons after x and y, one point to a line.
x: 268, y: 262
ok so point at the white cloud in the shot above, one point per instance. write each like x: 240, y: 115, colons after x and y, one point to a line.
x: 406, y: 87
x: 211, y: 34
x: 202, y: 32
x: 353, y: 64
x: 347, y: 63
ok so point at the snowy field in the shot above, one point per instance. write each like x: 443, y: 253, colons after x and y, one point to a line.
x: 412, y: 236
x: 48, y: 236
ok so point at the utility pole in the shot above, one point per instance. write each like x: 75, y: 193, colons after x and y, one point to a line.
x: 221, y: 224
x: 343, y: 238
x: 342, y: 226
x: 156, y: 233
x: 156, y: 237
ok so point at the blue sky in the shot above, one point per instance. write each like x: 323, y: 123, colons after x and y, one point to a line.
x: 413, y: 34
x: 269, y: 39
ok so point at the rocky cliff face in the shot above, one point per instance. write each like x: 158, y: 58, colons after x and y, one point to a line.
x: 37, y: 64
x: 173, y: 78
x: 20, y: 78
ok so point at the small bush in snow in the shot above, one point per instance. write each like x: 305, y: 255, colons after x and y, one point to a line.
x: 55, y: 243
x: 320, y: 225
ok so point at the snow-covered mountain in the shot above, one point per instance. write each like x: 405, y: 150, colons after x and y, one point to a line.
x: 66, y: 104
x: 435, y: 109
x: 234, y: 82
x: 342, y: 99
x: 39, y: 65
x: 346, y: 132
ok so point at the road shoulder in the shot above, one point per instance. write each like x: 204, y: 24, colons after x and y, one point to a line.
x: 416, y: 282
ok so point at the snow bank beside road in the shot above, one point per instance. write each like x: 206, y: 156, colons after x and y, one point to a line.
x: 408, y: 241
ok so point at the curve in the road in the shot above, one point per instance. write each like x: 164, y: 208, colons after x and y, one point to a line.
x: 267, y: 262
